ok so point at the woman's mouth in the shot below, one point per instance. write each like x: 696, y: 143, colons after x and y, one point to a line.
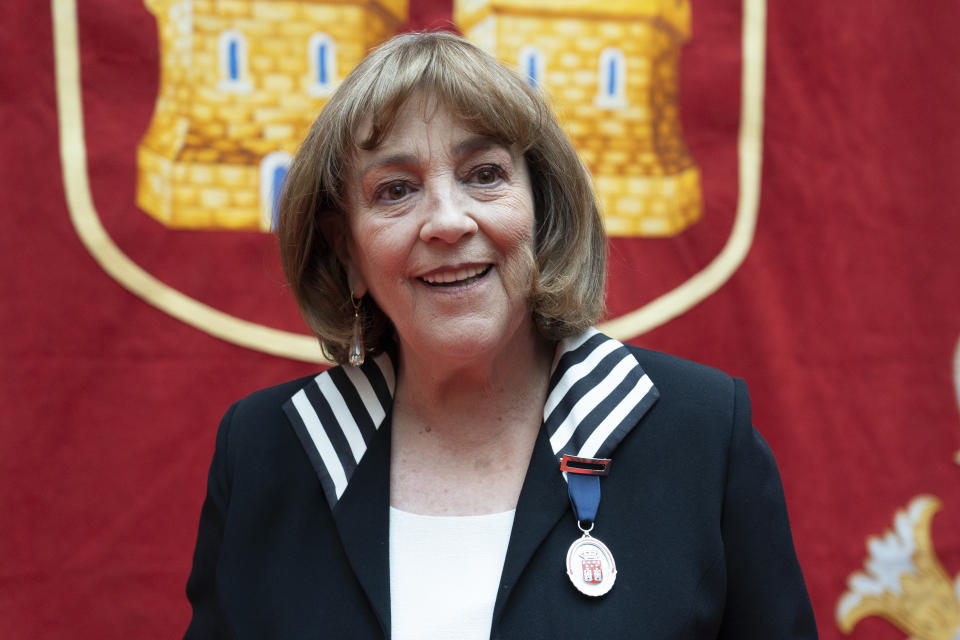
x: 456, y: 277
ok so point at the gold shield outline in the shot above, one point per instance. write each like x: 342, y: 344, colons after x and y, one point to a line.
x: 93, y: 235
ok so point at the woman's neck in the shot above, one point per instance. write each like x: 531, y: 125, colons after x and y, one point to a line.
x: 463, y: 433
x: 436, y: 389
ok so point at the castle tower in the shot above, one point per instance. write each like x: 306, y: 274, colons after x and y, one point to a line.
x: 240, y: 83
x: 611, y: 70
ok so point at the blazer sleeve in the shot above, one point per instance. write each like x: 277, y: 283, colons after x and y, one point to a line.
x: 207, y: 621
x: 766, y: 595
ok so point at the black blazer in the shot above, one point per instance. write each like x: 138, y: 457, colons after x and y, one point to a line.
x: 693, y: 512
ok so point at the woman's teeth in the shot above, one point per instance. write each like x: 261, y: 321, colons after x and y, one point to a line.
x: 458, y: 277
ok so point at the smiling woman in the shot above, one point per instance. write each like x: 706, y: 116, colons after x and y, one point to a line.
x: 437, y: 220
x: 441, y: 226
x: 498, y: 110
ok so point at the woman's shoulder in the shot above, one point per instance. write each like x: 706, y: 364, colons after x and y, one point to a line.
x: 256, y: 416
x: 270, y: 399
x: 673, y: 371
x: 692, y: 393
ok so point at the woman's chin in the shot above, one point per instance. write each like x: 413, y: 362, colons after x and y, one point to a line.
x: 479, y: 339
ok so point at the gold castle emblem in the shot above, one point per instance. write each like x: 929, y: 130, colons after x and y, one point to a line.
x: 611, y: 70
x: 903, y: 580
x: 241, y: 81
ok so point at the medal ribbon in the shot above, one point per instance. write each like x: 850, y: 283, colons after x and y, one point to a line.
x: 583, y: 485
x: 584, y: 492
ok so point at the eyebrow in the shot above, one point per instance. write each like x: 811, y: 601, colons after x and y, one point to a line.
x: 478, y: 143
x: 401, y: 159
x: 470, y: 145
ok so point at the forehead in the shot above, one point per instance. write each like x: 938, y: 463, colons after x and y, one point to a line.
x: 418, y: 115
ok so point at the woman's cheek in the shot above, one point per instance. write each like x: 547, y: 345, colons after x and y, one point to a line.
x: 519, y: 271
x: 387, y: 247
x: 514, y: 225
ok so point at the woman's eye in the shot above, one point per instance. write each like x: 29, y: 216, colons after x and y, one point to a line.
x: 395, y: 191
x: 486, y: 175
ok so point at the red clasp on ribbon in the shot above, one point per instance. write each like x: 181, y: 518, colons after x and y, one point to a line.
x: 585, y: 466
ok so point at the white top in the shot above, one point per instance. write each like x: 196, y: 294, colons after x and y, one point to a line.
x: 445, y: 574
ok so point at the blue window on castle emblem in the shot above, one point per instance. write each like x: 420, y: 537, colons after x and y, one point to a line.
x: 273, y: 175
x: 612, y: 80
x: 612, y: 77
x: 233, y: 60
x: 322, y: 64
x: 322, y: 56
x: 530, y: 65
x: 279, y: 175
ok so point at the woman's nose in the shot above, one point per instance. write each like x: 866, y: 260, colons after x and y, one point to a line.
x: 448, y: 217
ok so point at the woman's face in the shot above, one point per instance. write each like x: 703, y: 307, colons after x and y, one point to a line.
x: 441, y: 225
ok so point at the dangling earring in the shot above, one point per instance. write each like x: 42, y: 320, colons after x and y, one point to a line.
x: 356, y: 343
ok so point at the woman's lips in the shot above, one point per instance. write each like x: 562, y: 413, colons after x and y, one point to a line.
x: 456, y: 277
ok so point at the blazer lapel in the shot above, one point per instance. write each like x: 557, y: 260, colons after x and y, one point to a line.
x: 543, y: 501
x: 362, y: 518
x: 342, y: 419
x: 597, y: 395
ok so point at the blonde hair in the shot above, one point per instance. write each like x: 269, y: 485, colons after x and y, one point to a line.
x: 489, y: 99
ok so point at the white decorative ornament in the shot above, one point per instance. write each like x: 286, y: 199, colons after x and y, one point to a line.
x: 904, y: 581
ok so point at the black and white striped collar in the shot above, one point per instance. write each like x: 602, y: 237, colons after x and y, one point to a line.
x: 597, y: 393
x: 337, y: 415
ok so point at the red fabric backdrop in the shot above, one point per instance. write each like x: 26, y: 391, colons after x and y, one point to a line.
x: 844, y: 317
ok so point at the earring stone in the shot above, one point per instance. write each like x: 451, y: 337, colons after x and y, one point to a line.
x: 356, y: 355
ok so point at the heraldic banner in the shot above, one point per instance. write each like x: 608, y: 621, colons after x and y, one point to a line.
x: 776, y: 180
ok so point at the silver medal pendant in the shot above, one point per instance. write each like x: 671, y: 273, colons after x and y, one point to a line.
x: 590, y: 565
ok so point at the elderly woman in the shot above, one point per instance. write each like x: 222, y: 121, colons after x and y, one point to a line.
x: 483, y: 463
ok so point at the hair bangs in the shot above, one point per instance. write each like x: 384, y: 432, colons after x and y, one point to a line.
x: 486, y: 97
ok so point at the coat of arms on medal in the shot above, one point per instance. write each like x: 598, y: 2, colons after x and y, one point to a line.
x: 592, y: 567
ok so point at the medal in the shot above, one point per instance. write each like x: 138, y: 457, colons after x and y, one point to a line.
x: 590, y: 565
